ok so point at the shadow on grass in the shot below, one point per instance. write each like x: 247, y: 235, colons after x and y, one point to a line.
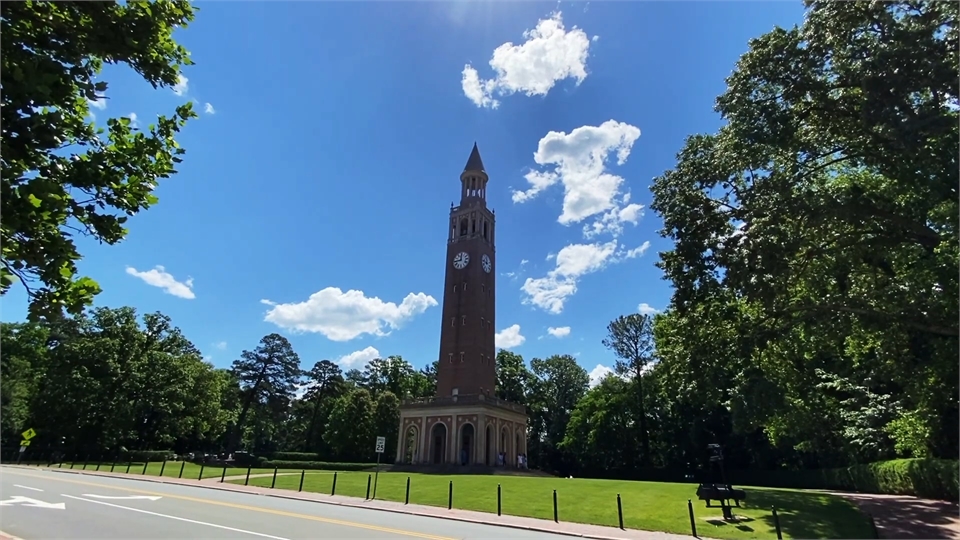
x: 805, y: 514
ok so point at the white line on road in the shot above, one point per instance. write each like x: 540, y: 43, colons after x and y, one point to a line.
x: 123, y: 497
x: 27, y: 487
x: 214, y: 525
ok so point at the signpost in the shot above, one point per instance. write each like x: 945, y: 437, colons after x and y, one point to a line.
x: 27, y: 435
x: 381, y: 443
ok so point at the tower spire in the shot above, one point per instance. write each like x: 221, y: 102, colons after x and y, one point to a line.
x: 474, y: 163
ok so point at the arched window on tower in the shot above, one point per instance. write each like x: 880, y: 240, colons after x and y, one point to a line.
x: 474, y: 231
x: 463, y: 227
x: 484, y: 230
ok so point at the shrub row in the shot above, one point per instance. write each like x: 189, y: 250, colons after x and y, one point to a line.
x: 316, y: 465
x: 927, y: 478
x: 147, y: 455
x: 295, y: 456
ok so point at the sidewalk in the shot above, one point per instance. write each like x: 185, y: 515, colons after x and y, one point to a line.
x: 905, y: 517
x: 568, y: 529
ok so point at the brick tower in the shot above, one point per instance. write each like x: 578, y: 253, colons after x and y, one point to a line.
x: 465, y: 423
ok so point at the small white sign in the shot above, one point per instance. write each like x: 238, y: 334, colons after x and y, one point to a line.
x: 23, y: 449
x: 381, y: 443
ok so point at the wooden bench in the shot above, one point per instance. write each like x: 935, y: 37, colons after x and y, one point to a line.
x: 722, y: 494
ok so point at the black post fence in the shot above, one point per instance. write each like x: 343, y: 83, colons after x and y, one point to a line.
x: 620, y: 511
x: 406, y: 498
x: 776, y: 523
x: 145, y: 465
x: 273, y: 483
x: 693, y: 520
x: 200, y: 476
x: 450, y: 497
x: 182, y: 465
x: 163, y: 466
x: 333, y: 490
x: 303, y: 473
x: 556, y: 517
x: 129, y: 464
x: 369, y: 479
x: 498, y: 500
x: 247, y: 479
x: 223, y: 475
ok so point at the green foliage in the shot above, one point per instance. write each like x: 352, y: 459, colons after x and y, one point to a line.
x: 61, y: 175
x: 144, y: 456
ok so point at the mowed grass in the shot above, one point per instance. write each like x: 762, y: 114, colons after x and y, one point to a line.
x: 646, y: 505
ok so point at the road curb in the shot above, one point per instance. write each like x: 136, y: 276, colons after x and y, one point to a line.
x: 225, y: 487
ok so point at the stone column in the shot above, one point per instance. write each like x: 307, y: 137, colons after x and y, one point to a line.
x: 423, y: 453
x: 453, y: 440
x: 402, y: 442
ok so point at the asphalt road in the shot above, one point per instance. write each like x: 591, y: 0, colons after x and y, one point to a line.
x: 37, y: 504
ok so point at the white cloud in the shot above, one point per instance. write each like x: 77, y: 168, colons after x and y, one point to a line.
x: 598, y: 373
x: 560, y: 332
x: 182, y: 85
x: 99, y: 103
x: 509, y: 337
x: 208, y: 108
x: 342, y: 316
x: 579, y: 162
x: 646, y: 309
x: 158, y: 277
x: 550, y: 54
x: 222, y: 345
x: 134, y: 124
x: 573, y: 262
x: 358, y: 359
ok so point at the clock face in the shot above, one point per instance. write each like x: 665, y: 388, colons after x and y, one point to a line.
x: 461, y: 260
x: 485, y: 262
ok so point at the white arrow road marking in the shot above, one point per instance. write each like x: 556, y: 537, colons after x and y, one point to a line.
x: 27, y: 487
x: 214, y: 525
x: 32, y: 503
x: 123, y: 497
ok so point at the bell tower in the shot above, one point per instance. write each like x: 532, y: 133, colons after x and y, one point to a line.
x: 465, y: 423
x: 467, y: 351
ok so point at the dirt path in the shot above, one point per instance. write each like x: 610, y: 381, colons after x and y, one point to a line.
x: 901, y: 516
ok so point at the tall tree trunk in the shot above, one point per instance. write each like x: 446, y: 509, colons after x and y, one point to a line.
x: 644, y: 434
x: 235, y: 439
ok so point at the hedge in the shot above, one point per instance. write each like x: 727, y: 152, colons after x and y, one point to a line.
x: 926, y: 478
x: 295, y: 456
x: 316, y: 465
x: 148, y: 455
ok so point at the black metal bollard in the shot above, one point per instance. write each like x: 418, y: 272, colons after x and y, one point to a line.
x: 71, y: 465
x: 98, y: 463
x: 620, y: 511
x: 223, y: 475
x: 498, y: 499
x: 112, y: 465
x: 302, y: 474
x: 556, y: 518
x: 200, y: 476
x: 129, y: 464
x: 450, y: 497
x: 84, y: 464
x: 873, y: 526
x: 247, y: 479
x: 273, y: 483
x: 333, y: 490
x: 145, y: 464
x: 182, y: 465
x: 693, y: 521
x: 162, y: 467
x: 776, y: 522
x: 369, y: 479
x: 60, y: 466
x: 406, y: 498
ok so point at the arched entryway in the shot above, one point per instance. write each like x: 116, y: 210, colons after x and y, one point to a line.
x: 505, y: 445
x: 411, y: 445
x: 467, y: 435
x: 518, y: 448
x: 438, y: 443
x: 489, y: 442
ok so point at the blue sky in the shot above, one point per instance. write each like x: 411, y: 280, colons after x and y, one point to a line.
x: 314, y: 194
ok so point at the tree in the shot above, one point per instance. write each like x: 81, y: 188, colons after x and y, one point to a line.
x: 391, y: 374
x: 22, y: 365
x: 350, y: 429
x: 631, y: 340
x: 326, y: 379
x: 270, y: 371
x: 58, y: 175
x: 815, y: 235
x: 557, y: 385
x: 513, y: 377
x: 598, y: 434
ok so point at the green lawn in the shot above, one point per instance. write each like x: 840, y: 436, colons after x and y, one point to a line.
x: 646, y: 505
